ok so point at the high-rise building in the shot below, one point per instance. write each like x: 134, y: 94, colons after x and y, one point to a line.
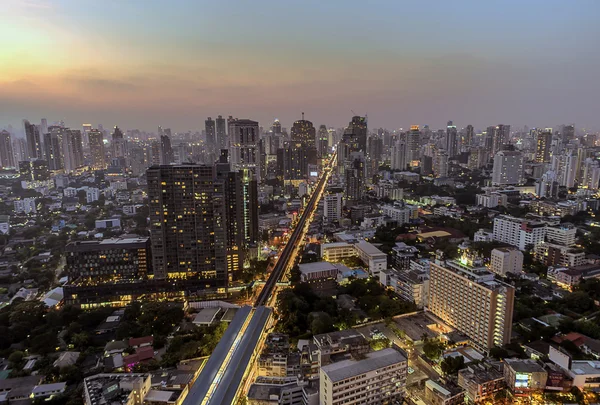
x: 72, y: 150
x: 119, y: 146
x: 244, y: 137
x: 20, y: 150
x: 568, y: 133
x: 451, y: 139
x: 398, y: 155
x: 413, y: 145
x: 303, y: 131
x: 293, y: 160
x: 440, y: 164
x: 276, y: 127
x: 356, y: 134
x: 332, y: 207
x: 542, y: 149
x: 97, y: 150
x: 508, y: 168
x: 52, y: 150
x: 221, y: 133
x: 43, y: 127
x: 500, y: 136
x: 7, y: 157
x: 34, y: 143
x: 166, y: 151
x: 569, y: 172
x: 518, y: 232
x: 188, y: 224
x: 506, y: 260
x: 377, y: 378
x: 591, y: 174
x: 471, y: 300
x: 323, y: 141
x: 469, y: 135
x: 355, y: 178
x: 211, y: 134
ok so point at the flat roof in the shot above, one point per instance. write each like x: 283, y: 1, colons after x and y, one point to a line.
x: 316, y: 267
x: 369, y: 248
x: 349, y: 368
x: 206, y: 315
x: 335, y: 244
x: 581, y: 367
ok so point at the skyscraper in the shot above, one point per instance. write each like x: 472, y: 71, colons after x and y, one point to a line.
x: 451, y: 139
x: 355, y: 178
x: 469, y: 135
x: 542, y: 148
x: 276, y: 127
x: 508, y: 168
x: 501, y: 136
x: 323, y: 141
x: 293, y: 160
x: 166, y: 151
x: 72, y: 150
x: 303, y: 131
x: 243, y: 137
x: 413, y: 139
x: 118, y: 144
x: 52, y: 150
x: 34, y: 144
x: 209, y: 127
x: 356, y: 134
x: 568, y: 133
x: 398, y: 161
x: 97, y: 150
x: 7, y: 157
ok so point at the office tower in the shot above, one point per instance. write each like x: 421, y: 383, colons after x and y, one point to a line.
x: 276, y: 127
x: 52, y: 150
x: 20, y: 150
x: 332, y: 207
x: 356, y: 134
x: 97, y: 151
x: 294, y: 159
x: 501, y: 136
x: 303, y: 131
x: 504, y: 261
x: 508, y: 168
x: 542, y: 149
x: 166, y: 151
x: 323, y: 141
x: 451, y: 139
x: 211, y: 139
x: 413, y: 146
x: 118, y: 144
x: 7, y: 157
x: 375, y: 378
x: 568, y: 133
x: 243, y: 138
x: 440, y: 163
x: 72, y: 150
x: 188, y: 224
x: 399, y: 154
x: 469, y: 299
x: 34, y: 143
x: 518, y: 232
x: 355, y: 178
x: 469, y: 135
x: 43, y: 127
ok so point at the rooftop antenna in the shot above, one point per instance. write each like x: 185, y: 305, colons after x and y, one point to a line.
x: 302, y: 116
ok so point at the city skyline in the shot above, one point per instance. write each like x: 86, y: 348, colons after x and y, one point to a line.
x: 402, y: 64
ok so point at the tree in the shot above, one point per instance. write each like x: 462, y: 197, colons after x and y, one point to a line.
x: 432, y: 348
x: 498, y: 353
x: 450, y: 365
x: 15, y: 359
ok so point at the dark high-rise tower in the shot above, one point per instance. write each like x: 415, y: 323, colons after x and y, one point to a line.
x: 221, y: 133
x: 542, y: 147
x: 356, y: 133
x: 303, y: 131
x: 34, y: 143
x: 72, y: 147
x: 209, y: 127
x: 469, y: 135
x: 52, y: 150
x: 501, y: 136
x: 451, y: 139
x: 243, y: 138
x: 568, y: 133
x: 118, y: 144
x: 276, y: 127
x: 323, y: 141
x: 166, y: 151
x: 7, y: 157
x: 97, y: 150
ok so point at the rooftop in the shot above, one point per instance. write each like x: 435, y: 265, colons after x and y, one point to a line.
x: 524, y: 366
x: 349, y: 368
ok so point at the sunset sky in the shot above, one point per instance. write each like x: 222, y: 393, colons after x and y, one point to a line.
x: 144, y: 63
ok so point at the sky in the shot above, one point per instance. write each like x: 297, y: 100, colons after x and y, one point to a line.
x: 144, y: 63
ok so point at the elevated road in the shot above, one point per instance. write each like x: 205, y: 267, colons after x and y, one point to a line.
x: 288, y: 255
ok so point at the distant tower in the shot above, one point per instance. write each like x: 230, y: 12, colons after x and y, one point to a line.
x: 303, y: 131
x: 221, y: 133
x: 209, y: 127
x: 451, y: 139
x: 34, y: 143
x: 542, y: 149
x: 7, y: 157
x: 118, y: 143
x: 72, y: 150
x: 97, y: 150
x: 166, y: 150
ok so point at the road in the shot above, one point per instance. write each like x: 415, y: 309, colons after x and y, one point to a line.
x: 288, y: 255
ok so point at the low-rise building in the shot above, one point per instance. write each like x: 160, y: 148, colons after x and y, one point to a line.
x: 552, y: 254
x: 380, y: 377
x: 447, y: 394
x: 481, y: 381
x: 336, y: 251
x: 372, y: 257
x: 506, y: 261
x: 524, y: 376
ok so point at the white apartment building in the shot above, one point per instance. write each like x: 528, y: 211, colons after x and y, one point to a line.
x: 92, y: 194
x: 372, y: 257
x: 518, y: 232
x: 483, y: 235
x: 563, y: 234
x: 336, y: 251
x: 471, y: 300
x: 25, y: 206
x: 402, y: 214
x: 332, y: 207
x: 506, y: 260
x: 377, y: 379
x: 508, y: 168
x: 492, y: 200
